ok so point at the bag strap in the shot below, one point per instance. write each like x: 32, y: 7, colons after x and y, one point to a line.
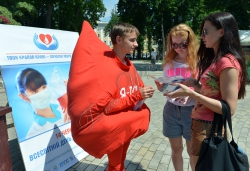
x: 218, y: 121
x: 226, y: 114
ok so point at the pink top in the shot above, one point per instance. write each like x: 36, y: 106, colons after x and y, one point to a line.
x: 178, y: 69
x: 210, y: 81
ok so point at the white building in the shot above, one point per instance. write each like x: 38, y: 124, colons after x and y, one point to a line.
x: 100, y: 33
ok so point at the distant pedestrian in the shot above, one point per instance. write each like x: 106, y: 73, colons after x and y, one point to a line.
x: 153, y: 59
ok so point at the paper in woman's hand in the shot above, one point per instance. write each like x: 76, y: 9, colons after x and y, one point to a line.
x: 159, y: 79
x: 168, y: 83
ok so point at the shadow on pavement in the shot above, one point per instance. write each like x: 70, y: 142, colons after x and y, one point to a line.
x: 91, y: 167
x: 62, y: 157
x: 16, y: 157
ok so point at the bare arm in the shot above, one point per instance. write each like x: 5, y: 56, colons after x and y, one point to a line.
x: 192, y: 82
x: 228, y: 87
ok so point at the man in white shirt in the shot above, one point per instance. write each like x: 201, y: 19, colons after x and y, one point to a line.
x: 153, y: 58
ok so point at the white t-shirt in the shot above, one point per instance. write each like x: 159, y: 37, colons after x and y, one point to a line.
x: 178, y: 69
x: 153, y: 55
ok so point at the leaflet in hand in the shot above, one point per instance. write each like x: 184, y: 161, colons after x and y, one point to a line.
x: 139, y: 104
x: 168, y: 87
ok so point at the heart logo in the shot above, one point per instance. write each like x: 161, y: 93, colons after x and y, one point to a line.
x: 46, y: 39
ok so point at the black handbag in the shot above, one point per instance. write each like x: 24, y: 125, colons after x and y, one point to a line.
x: 216, y: 153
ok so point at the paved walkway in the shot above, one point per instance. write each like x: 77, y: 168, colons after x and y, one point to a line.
x: 151, y: 151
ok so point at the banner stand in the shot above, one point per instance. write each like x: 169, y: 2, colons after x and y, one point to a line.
x: 39, y: 112
x: 5, y: 158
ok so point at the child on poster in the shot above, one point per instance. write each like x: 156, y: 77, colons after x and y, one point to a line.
x: 33, y: 88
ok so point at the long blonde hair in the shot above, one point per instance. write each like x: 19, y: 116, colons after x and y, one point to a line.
x: 185, y: 32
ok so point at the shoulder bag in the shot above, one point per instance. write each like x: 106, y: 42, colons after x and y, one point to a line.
x: 217, y: 153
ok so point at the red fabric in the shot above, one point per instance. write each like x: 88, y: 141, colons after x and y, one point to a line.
x: 117, y: 158
x: 102, y: 92
x: 210, y: 81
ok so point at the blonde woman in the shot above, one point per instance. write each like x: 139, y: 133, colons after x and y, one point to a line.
x: 181, y: 60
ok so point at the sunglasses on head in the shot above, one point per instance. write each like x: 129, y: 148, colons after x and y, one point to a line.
x: 183, y: 45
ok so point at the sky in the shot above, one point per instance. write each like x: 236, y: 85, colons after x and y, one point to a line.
x: 109, y: 5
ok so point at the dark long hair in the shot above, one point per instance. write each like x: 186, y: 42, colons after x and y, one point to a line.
x: 29, y: 79
x: 229, y: 44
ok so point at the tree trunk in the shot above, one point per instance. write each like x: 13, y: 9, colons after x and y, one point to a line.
x: 49, y: 15
x: 163, y: 38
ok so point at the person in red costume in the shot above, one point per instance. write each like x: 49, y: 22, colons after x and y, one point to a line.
x: 103, y: 90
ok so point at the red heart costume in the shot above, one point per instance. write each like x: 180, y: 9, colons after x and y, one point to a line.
x: 102, y: 92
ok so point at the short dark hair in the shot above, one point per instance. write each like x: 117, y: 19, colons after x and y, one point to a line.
x: 121, y: 29
x: 29, y: 79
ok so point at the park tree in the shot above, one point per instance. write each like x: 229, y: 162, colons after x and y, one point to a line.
x: 113, y: 20
x: 238, y: 8
x: 169, y: 13
x: 56, y: 14
x: 25, y: 13
x: 154, y: 19
x: 135, y: 12
x: 9, y: 4
x: 68, y: 14
x: 196, y: 13
x: 6, y: 17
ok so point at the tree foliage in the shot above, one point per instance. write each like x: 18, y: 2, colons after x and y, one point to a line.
x: 240, y: 9
x: 6, y: 17
x: 136, y: 12
x: 25, y: 13
x: 155, y: 18
x: 69, y: 15
x: 56, y: 14
x: 113, y: 20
